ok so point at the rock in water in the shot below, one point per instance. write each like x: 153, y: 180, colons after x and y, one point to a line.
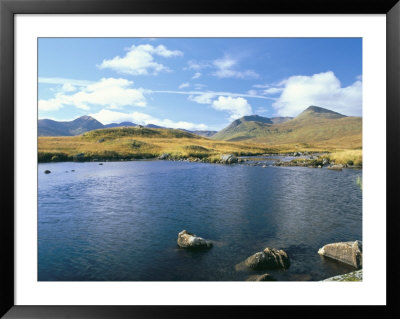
x: 346, y: 252
x: 336, y: 167
x: 188, y: 240
x: 163, y: 156
x: 228, y: 159
x: 264, y: 277
x: 268, y: 259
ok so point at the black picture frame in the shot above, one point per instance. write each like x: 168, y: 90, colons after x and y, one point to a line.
x: 8, y: 9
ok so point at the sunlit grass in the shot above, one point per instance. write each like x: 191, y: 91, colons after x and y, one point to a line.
x: 347, y: 157
x: 132, y: 143
x: 136, y: 143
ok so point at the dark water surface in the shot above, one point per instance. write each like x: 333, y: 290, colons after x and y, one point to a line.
x: 119, y: 221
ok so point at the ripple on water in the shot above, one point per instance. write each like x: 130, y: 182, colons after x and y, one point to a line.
x: 119, y: 221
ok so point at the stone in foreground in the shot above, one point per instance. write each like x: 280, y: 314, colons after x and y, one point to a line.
x: 189, y: 240
x: 264, y: 277
x: 352, y: 276
x: 229, y: 159
x: 346, y: 252
x: 270, y: 258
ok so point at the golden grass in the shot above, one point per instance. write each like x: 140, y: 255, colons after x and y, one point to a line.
x: 136, y: 143
x: 351, y: 157
x: 141, y: 143
x: 316, y: 133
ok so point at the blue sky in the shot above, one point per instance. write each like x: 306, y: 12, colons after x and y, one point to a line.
x: 196, y: 83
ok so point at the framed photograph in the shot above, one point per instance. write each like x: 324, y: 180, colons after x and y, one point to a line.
x: 168, y: 154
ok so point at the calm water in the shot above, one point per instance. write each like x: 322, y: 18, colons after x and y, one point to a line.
x: 119, y: 221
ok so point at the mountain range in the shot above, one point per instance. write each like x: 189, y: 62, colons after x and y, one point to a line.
x: 315, y: 126
x: 87, y: 123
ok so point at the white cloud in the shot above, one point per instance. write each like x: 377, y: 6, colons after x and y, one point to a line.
x: 163, y: 51
x: 139, y: 60
x: 252, y: 92
x: 108, y: 92
x: 324, y: 90
x: 107, y: 116
x: 193, y: 65
x: 209, y: 94
x: 225, y: 69
x: 261, y: 86
x: 237, y: 107
x: 68, y: 87
x: 273, y: 90
x: 225, y: 63
x: 184, y: 85
x: 63, y: 81
x: 205, y: 98
x: 196, y: 75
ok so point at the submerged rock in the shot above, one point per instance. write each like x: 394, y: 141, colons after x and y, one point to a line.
x: 189, y: 240
x: 264, y: 277
x: 228, y: 159
x: 346, y: 252
x: 269, y: 258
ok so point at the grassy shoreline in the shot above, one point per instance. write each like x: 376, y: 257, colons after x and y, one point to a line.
x: 135, y: 143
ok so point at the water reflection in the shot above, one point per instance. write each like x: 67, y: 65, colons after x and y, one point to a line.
x: 119, y: 221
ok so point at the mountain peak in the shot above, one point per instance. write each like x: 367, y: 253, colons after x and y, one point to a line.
x: 318, y: 111
x: 85, y: 118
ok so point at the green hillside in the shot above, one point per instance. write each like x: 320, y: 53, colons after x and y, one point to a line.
x: 314, y: 127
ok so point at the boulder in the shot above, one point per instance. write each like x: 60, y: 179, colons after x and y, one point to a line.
x: 264, y: 277
x: 163, y: 156
x: 337, y: 167
x: 269, y: 258
x: 228, y: 159
x: 346, y: 252
x: 47, y: 171
x: 189, y: 240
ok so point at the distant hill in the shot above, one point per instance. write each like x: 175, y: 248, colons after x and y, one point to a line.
x: 87, y: 123
x: 201, y: 133
x: 315, y: 126
x: 204, y: 133
x: 68, y: 128
x: 119, y: 124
